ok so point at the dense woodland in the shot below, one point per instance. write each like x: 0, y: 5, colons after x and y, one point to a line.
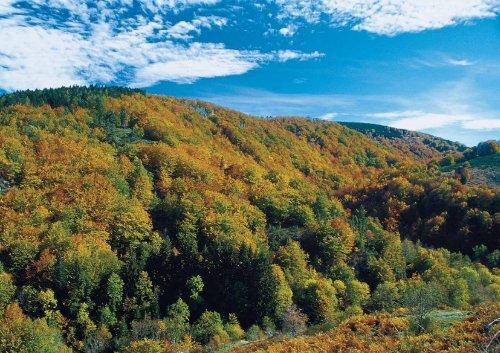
x: 414, y: 144
x: 136, y: 223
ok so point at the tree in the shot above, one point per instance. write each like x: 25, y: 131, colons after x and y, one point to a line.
x: 335, y: 242
x: 114, y: 291
x: 268, y: 326
x: 107, y: 317
x: 144, y: 292
x: 319, y: 300
x: 293, y: 321
x: 254, y: 333
x: 195, y: 285
x: 293, y: 260
x: 447, y: 161
x: 420, y: 297
x: 48, y: 304
x: 207, y: 326
x: 487, y: 148
x: 7, y: 290
x: 84, y: 323
x: 20, y: 334
x: 233, y: 328
x: 278, y: 294
x: 177, y: 321
x: 358, y: 293
x: 98, y: 341
x: 386, y: 296
x: 462, y: 173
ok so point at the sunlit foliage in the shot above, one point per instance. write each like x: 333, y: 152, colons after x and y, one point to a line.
x: 139, y: 223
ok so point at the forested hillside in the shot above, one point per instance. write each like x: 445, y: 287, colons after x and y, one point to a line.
x: 418, y: 145
x: 138, y: 223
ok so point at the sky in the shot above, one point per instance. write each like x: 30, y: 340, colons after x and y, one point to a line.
x: 426, y: 65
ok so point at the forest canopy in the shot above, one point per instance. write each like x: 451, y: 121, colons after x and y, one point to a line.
x: 139, y: 223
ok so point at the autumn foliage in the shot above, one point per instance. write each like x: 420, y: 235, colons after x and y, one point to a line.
x: 139, y: 223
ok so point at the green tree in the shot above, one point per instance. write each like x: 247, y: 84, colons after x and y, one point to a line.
x: 357, y: 292
x: 233, y: 328
x: 83, y: 322
x: 195, y: 285
x: 48, y: 303
x: 177, y: 321
x: 420, y: 297
x: 144, y: 292
x: 254, y: 333
x: 319, y: 300
x: 278, y: 291
x: 114, y: 291
x: 268, y: 326
x: 107, y: 317
x: 487, y: 148
x: 7, y: 290
x: 207, y: 326
x: 386, y: 296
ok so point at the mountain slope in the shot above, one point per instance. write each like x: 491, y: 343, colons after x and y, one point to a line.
x: 414, y: 144
x: 135, y: 222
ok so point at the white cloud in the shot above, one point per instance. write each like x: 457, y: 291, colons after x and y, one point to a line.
x: 286, y: 55
x: 102, y: 43
x: 35, y: 57
x: 157, y: 5
x: 289, y: 30
x: 6, y: 7
x: 424, y: 121
x: 421, y: 120
x: 183, y: 29
x: 328, y: 116
x: 482, y: 124
x: 199, y: 60
x: 390, y: 17
x: 395, y: 114
x: 460, y: 62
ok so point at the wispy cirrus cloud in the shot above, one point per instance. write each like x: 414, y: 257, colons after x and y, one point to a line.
x: 438, y: 60
x: 460, y: 62
x: 49, y: 43
x: 389, y: 17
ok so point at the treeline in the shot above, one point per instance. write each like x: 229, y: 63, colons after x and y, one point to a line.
x: 91, y: 97
x: 150, y: 224
x: 420, y: 146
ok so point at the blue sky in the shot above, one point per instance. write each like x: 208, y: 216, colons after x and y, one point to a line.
x: 427, y: 65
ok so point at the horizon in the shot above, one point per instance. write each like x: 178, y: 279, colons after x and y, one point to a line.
x: 418, y: 65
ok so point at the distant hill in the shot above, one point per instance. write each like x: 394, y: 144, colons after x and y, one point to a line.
x: 422, y: 146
